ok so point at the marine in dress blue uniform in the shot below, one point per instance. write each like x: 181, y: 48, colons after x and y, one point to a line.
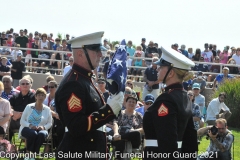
x: 80, y: 106
x: 168, y: 123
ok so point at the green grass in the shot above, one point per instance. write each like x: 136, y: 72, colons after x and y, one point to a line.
x: 202, y: 147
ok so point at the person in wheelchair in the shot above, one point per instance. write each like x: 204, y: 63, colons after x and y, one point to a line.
x: 221, y: 140
x: 128, y: 127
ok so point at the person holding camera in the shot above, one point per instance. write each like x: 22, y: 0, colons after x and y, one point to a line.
x: 215, y: 107
x: 221, y: 140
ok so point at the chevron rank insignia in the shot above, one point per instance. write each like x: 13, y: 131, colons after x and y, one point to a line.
x: 74, y: 103
x: 163, y: 110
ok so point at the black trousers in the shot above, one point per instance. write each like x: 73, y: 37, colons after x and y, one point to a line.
x: 58, y: 133
x: 135, y: 139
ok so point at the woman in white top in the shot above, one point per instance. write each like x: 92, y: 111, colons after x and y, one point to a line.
x: 35, y: 121
x: 5, y: 111
x: 52, y: 87
x: 43, y: 42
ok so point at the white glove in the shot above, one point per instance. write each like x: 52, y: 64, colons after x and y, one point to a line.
x: 116, y: 102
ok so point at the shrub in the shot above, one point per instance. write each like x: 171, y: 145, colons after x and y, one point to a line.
x: 232, y: 90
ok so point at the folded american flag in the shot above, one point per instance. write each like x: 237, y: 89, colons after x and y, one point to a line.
x: 117, y: 70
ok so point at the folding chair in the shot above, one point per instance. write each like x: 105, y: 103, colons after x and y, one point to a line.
x: 49, y: 139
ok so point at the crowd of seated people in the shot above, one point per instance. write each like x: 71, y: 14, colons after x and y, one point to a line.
x: 19, y: 93
x: 24, y: 39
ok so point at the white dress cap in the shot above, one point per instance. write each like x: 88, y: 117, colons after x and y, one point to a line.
x: 171, y: 57
x: 89, y: 39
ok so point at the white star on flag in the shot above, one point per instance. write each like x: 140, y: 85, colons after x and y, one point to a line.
x: 122, y: 78
x: 122, y: 47
x: 118, y: 62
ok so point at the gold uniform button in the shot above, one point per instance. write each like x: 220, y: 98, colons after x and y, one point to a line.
x: 89, y: 74
x: 74, y: 72
x: 91, y: 140
x: 96, y: 119
x: 102, y: 115
x: 109, y: 111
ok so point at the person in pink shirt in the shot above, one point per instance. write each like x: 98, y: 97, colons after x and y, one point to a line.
x: 28, y: 58
x: 224, y: 56
x: 9, y: 40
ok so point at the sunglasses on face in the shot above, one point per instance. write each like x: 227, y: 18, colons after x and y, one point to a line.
x: 51, y: 87
x: 70, y: 60
x: 190, y: 94
x: 129, y: 84
x: 25, y: 84
x: 93, y: 47
x: 100, y: 82
x: 148, y: 103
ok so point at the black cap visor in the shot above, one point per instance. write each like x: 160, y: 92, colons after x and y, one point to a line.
x: 162, y: 62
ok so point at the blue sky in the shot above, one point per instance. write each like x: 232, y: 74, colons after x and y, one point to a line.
x: 189, y: 22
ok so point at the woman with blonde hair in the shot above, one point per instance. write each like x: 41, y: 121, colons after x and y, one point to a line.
x: 168, y: 123
x: 5, y: 111
x: 139, y: 48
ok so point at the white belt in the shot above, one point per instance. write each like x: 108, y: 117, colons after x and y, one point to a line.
x: 103, y: 129
x: 154, y: 143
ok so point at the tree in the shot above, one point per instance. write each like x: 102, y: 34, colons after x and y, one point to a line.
x: 232, y: 90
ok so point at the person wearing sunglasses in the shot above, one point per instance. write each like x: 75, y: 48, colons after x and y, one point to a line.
x: 68, y: 67
x: 81, y: 108
x: 128, y: 92
x: 19, y: 101
x: 220, y: 142
x: 148, y: 101
x: 195, y: 110
x: 48, y: 79
x: 52, y: 87
x: 168, y: 123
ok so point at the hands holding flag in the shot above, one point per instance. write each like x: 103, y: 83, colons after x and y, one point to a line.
x: 116, y: 78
